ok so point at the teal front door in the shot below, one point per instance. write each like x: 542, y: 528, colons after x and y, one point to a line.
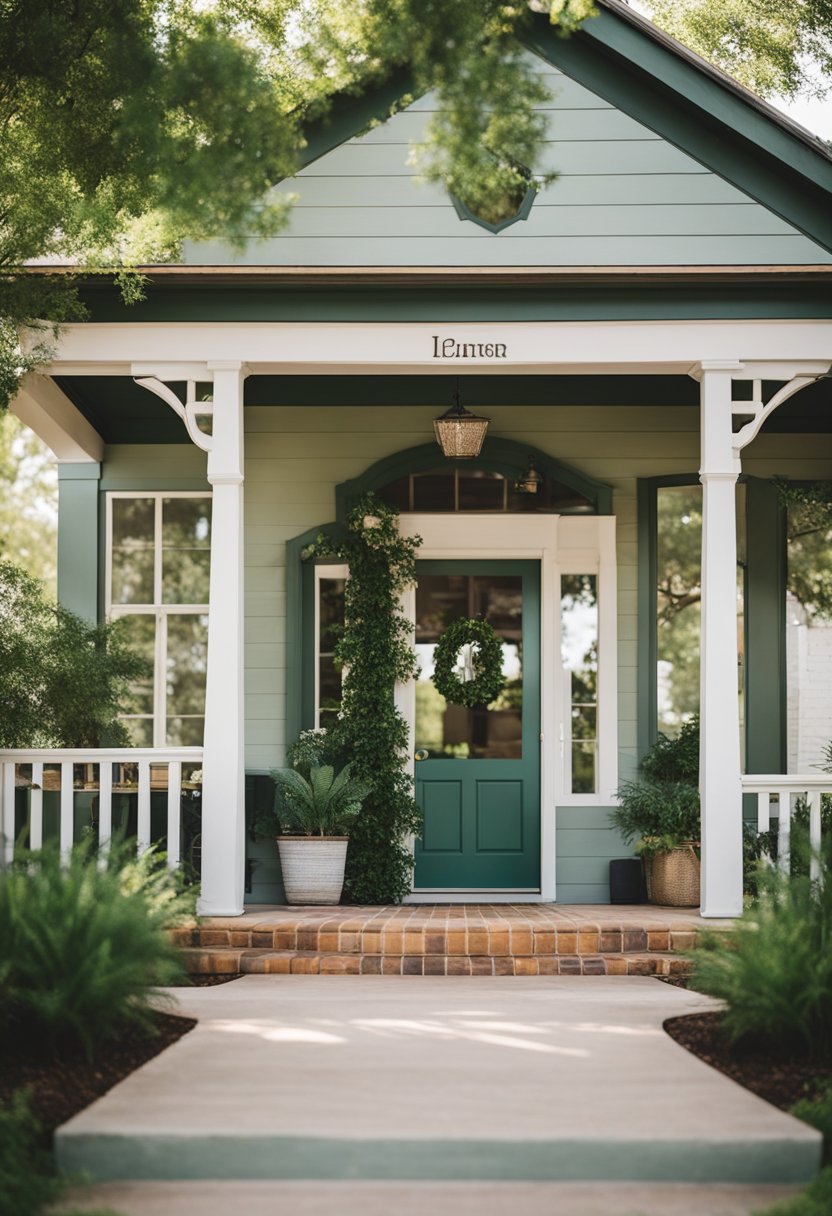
x: 478, y: 770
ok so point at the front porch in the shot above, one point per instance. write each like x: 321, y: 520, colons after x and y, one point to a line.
x: 445, y: 939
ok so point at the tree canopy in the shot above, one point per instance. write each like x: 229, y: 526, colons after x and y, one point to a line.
x: 126, y: 125
x: 776, y: 48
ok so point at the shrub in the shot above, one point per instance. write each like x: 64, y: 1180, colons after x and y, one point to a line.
x: 63, y: 682
x: 774, y: 969
x: 818, y: 1113
x: 27, y: 1179
x: 816, y: 1200
x: 82, y: 945
x: 661, y: 811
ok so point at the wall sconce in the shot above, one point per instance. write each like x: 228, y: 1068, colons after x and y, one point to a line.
x: 530, y: 482
x: 460, y: 433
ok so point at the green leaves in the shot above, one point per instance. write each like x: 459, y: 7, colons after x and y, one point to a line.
x: 375, y: 653
x: 769, y: 46
x: 324, y: 804
x: 663, y: 808
x: 774, y: 969
x: 62, y: 682
x: 82, y: 946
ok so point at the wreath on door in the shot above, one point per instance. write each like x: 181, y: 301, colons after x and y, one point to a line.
x: 486, y: 680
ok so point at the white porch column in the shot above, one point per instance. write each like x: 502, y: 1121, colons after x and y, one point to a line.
x: 223, y: 774
x: 719, y: 766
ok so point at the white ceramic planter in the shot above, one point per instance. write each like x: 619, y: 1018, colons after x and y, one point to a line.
x: 313, y: 868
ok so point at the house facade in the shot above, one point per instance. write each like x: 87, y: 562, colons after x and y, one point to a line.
x: 648, y: 336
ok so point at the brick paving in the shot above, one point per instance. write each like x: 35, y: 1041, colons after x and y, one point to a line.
x: 445, y: 939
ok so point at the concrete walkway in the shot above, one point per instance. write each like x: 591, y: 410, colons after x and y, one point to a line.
x: 389, y: 1079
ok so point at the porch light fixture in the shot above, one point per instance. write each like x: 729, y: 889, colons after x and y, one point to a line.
x: 531, y: 481
x: 460, y: 433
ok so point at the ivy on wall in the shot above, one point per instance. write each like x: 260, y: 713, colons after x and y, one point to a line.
x: 375, y: 652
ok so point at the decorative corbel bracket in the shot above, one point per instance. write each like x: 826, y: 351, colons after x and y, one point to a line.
x: 189, y: 412
x: 761, y: 410
x: 757, y: 410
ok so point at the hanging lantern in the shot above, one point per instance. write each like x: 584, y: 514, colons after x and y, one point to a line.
x: 530, y: 482
x: 460, y: 433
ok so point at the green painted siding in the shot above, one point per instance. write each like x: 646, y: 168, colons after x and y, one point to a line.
x: 624, y: 196
x: 297, y: 455
x: 78, y: 538
x: 148, y: 466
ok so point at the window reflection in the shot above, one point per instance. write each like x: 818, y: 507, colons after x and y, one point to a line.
x: 330, y: 623
x: 579, y: 655
x: 447, y: 731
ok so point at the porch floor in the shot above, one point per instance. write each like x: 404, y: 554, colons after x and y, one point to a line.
x: 446, y: 939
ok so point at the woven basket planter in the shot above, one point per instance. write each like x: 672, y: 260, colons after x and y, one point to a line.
x: 673, y: 878
x: 313, y: 868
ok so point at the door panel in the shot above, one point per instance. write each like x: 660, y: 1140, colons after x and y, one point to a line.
x: 478, y: 781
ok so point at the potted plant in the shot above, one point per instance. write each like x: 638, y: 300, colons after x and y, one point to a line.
x: 661, y: 814
x: 315, y: 806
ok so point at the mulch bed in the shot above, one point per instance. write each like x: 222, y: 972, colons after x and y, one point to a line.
x: 62, y: 1085
x: 780, y: 1078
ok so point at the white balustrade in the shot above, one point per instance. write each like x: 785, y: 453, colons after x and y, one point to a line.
x: 785, y: 790
x: 109, y: 772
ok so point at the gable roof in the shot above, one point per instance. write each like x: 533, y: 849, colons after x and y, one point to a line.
x: 653, y: 78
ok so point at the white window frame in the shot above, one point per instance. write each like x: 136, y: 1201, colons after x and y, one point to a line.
x: 158, y: 610
x: 598, y: 559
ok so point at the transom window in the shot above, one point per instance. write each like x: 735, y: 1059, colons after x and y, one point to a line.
x: 445, y: 488
x: 158, y: 567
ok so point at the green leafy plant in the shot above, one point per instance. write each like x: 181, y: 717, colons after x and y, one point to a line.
x: 375, y: 653
x: 27, y: 1177
x: 83, y: 943
x: 62, y: 681
x: 324, y: 804
x: 818, y: 1113
x: 816, y: 1200
x: 661, y: 811
x: 774, y: 968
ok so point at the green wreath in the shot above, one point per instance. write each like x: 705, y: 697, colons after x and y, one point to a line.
x: 488, y: 681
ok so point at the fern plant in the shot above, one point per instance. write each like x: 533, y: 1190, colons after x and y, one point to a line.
x: 83, y: 944
x: 774, y: 968
x: 324, y: 804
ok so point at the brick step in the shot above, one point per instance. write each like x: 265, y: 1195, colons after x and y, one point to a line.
x: 518, y: 942
x: 258, y: 961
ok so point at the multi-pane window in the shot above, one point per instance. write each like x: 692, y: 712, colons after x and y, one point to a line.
x: 579, y: 658
x: 470, y: 490
x: 159, y: 556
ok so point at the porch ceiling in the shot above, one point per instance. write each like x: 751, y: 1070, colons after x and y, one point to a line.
x: 122, y: 412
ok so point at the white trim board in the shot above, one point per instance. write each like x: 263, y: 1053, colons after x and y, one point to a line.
x: 573, y: 347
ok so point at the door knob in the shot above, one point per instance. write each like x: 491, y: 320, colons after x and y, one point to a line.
x: 421, y: 754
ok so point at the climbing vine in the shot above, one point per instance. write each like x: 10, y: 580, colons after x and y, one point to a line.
x: 374, y: 652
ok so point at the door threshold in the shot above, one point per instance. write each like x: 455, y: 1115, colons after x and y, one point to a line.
x: 476, y: 897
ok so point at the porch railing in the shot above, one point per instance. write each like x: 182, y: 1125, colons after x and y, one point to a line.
x: 777, y: 796
x: 103, y: 771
